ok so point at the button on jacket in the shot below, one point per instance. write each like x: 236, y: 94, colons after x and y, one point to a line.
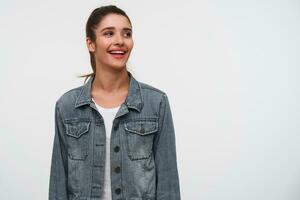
x: 142, y: 150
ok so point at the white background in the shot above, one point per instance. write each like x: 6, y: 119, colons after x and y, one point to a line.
x: 230, y: 69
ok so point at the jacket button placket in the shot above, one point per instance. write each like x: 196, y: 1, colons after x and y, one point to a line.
x: 98, y: 160
x: 115, y: 163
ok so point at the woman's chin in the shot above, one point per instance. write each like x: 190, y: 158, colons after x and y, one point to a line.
x: 118, y: 67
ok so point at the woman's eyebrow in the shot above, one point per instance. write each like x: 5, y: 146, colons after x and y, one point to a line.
x: 111, y: 27
x: 127, y: 29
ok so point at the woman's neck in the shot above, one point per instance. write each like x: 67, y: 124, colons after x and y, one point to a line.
x: 110, y: 80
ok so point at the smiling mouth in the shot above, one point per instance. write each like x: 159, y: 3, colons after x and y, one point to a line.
x: 118, y: 54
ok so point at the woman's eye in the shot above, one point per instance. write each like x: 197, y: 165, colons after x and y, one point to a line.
x: 128, y: 34
x: 109, y: 33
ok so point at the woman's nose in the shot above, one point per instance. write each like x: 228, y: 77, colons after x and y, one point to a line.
x: 119, y: 39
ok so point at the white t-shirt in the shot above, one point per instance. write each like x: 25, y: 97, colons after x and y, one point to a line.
x: 108, y: 115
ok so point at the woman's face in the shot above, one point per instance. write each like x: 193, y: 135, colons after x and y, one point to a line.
x: 113, y: 43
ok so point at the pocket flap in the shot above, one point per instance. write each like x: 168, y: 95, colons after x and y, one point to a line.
x: 142, y: 127
x: 76, y: 129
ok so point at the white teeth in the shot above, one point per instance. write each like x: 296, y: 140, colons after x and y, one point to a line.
x: 117, y: 52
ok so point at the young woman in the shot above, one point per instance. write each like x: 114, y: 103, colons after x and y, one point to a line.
x: 114, y: 136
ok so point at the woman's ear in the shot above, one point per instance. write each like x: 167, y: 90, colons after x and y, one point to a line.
x: 90, y: 45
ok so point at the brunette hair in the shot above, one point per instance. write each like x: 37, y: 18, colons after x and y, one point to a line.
x: 93, y: 21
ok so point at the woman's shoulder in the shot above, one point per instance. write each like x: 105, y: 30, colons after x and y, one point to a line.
x: 152, y: 93
x: 69, y: 96
x: 147, y: 88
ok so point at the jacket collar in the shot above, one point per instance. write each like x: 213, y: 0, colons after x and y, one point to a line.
x: 133, y: 100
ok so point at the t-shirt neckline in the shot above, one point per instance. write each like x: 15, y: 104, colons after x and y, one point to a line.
x: 113, y: 109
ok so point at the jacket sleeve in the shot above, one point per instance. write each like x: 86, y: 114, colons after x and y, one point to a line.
x: 58, y: 171
x: 164, y: 149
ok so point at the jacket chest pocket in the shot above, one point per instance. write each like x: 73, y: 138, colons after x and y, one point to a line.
x: 77, y: 132
x: 139, y: 135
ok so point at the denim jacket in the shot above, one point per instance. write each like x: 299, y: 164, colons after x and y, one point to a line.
x: 142, y: 150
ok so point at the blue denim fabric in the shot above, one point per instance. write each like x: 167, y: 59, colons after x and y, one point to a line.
x: 143, y: 152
